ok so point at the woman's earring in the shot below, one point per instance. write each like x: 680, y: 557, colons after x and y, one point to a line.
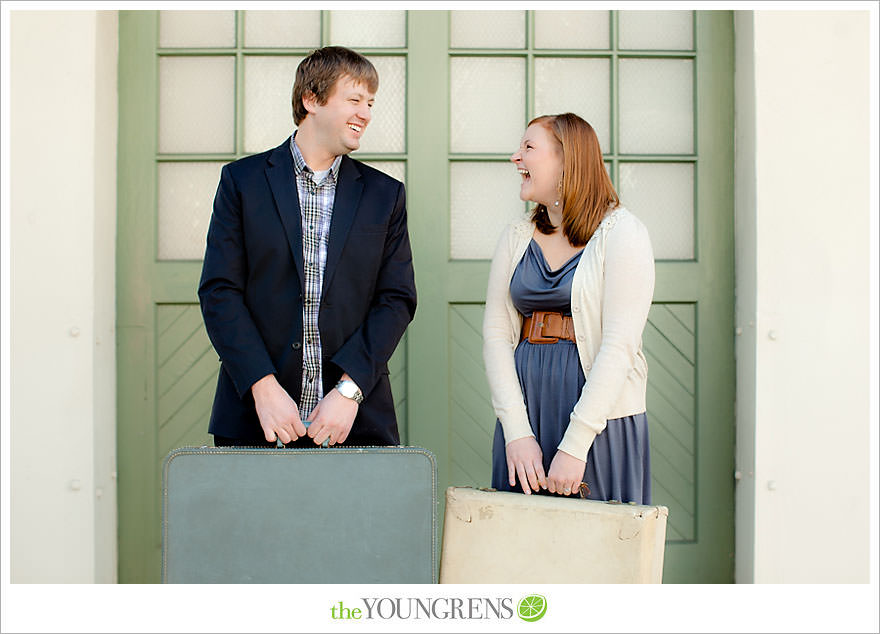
x: 556, y: 204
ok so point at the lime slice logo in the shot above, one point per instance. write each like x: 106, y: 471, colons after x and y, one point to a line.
x: 532, y: 608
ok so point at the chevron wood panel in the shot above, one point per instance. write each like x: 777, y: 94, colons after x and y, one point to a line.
x: 669, y: 343
x: 186, y: 376
x: 472, y: 420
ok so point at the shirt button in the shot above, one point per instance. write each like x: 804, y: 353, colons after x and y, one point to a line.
x: 296, y: 345
x: 576, y: 309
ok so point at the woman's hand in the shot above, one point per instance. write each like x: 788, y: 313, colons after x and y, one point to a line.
x: 566, y: 474
x: 525, y: 460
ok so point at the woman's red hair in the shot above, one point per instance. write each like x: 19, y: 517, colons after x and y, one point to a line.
x: 587, y: 192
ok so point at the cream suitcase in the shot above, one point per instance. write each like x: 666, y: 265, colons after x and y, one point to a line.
x: 499, y: 537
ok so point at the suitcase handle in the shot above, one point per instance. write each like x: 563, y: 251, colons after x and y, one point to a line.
x: 306, y: 423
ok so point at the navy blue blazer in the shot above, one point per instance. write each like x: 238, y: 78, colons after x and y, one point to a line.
x: 251, y: 290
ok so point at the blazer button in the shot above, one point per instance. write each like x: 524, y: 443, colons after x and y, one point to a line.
x: 296, y: 345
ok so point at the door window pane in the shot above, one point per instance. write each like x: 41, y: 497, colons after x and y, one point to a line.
x: 664, y: 30
x: 368, y: 28
x: 487, y: 29
x: 282, y: 29
x: 662, y: 196
x: 581, y: 86
x: 394, y: 169
x: 484, y: 199
x: 196, y: 104
x: 572, y: 29
x: 656, y: 106
x: 268, y: 113
x: 186, y: 198
x: 487, y: 103
x: 196, y: 29
x: 386, y: 130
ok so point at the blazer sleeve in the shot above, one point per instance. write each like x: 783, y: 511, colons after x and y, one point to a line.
x: 228, y: 321
x: 364, y: 356
x: 499, y: 343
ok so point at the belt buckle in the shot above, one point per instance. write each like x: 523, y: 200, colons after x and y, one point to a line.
x: 536, y: 332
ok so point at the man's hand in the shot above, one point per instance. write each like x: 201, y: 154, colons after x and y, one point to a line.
x: 332, y: 418
x: 525, y: 461
x: 566, y: 474
x: 278, y: 414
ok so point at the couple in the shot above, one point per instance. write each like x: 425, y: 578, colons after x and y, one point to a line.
x: 307, y: 287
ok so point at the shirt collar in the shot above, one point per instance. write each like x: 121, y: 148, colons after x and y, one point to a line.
x: 299, y: 163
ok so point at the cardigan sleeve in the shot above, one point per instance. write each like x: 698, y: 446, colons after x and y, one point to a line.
x: 626, y: 299
x: 499, y: 342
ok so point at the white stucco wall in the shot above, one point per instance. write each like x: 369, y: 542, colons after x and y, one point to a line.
x: 63, y: 113
x: 803, y: 249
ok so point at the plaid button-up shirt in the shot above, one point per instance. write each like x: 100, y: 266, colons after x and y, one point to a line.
x: 316, y: 210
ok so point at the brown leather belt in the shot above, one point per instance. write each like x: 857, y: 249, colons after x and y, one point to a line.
x: 547, y: 327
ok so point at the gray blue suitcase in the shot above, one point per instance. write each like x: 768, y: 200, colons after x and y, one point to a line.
x: 338, y: 515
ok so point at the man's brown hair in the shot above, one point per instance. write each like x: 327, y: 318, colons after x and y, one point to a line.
x: 319, y: 72
x: 586, y: 193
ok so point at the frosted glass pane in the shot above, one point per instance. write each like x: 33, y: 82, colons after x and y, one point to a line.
x: 581, y: 86
x: 268, y: 114
x: 291, y: 29
x: 368, y: 28
x: 196, y: 29
x: 662, y: 196
x: 394, y: 169
x: 487, y: 29
x: 186, y: 198
x: 484, y: 199
x: 487, y: 103
x: 386, y: 130
x: 571, y: 29
x: 666, y: 30
x: 196, y: 104
x: 656, y: 106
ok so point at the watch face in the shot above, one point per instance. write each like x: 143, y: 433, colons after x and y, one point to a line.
x: 349, y: 390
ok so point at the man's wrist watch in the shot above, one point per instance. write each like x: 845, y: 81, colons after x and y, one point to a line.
x: 349, y: 389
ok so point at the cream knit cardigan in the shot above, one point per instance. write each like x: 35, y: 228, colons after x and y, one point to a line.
x: 610, y: 297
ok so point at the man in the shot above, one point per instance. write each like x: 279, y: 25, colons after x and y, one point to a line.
x: 307, y: 284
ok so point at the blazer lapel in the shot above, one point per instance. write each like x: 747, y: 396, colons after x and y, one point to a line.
x: 282, y: 181
x: 345, y: 205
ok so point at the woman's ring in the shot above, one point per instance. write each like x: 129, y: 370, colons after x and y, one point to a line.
x: 566, y: 491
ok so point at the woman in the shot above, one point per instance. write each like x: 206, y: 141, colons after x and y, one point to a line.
x: 569, y: 293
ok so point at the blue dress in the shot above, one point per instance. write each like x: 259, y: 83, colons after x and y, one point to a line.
x: 551, y: 379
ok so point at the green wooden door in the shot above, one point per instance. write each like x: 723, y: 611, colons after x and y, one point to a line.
x: 658, y: 88
x: 198, y: 89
